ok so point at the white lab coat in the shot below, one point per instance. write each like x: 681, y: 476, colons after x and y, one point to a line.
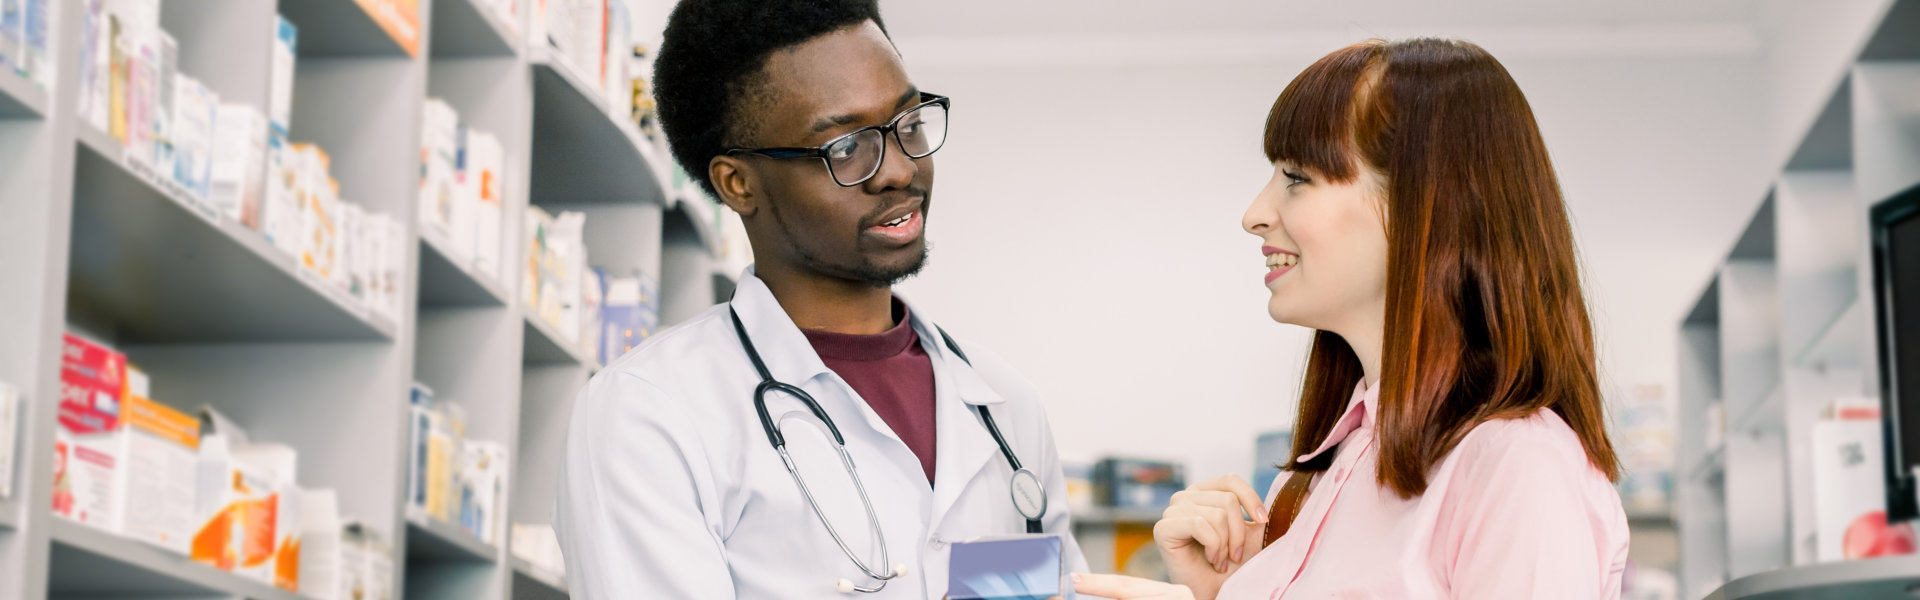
x: 670, y: 488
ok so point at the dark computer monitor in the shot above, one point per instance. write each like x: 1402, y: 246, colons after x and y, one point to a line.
x: 1895, y: 227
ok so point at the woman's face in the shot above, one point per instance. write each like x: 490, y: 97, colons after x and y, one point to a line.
x: 1326, y: 249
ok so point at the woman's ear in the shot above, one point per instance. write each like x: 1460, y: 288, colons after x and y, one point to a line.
x: 732, y: 180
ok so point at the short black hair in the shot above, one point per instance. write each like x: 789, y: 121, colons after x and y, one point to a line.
x: 713, y: 57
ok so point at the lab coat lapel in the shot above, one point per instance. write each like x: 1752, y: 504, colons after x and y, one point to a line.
x: 963, y: 445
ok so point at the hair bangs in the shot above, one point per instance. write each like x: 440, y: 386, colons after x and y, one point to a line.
x: 1312, y: 123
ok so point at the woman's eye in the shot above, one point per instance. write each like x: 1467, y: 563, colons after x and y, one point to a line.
x: 1295, y: 178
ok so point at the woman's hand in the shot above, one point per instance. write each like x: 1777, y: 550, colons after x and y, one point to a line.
x: 1122, y: 587
x: 1203, y: 535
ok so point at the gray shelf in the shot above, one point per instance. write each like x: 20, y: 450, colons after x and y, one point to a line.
x: 1839, y: 345
x: 465, y: 29
x: 432, y: 541
x: 159, y: 267
x: 544, y: 346
x: 700, y: 223
x: 531, y: 583
x: 1713, y: 463
x: 339, y: 29
x: 9, y: 511
x: 1650, y: 520
x: 583, y: 154
x: 19, y: 97
x: 90, y: 562
x: 1102, y: 515
x: 445, y: 282
x: 1870, y: 578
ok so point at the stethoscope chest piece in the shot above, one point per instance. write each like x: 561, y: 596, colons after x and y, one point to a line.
x: 1028, y: 497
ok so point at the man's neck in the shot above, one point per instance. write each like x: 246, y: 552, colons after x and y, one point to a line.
x: 818, y: 303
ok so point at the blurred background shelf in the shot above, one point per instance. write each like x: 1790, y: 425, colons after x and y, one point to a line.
x: 1866, y: 578
x: 154, y: 267
x: 340, y: 29
x: 433, y: 541
x: 529, y: 582
x: 1102, y: 515
x: 466, y: 29
x: 445, y: 282
x: 20, y: 98
x: 582, y: 153
x: 544, y: 346
x: 1840, y: 343
x: 88, y: 562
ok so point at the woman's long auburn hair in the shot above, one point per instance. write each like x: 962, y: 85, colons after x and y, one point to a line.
x: 1485, y: 318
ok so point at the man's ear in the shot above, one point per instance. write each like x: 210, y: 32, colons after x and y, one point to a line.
x: 733, y: 180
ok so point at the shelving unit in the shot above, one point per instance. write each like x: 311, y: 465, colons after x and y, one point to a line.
x: 1781, y: 331
x: 20, y: 98
x: 91, y: 562
x: 219, y: 317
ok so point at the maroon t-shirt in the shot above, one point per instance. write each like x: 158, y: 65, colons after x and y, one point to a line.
x: 893, y: 374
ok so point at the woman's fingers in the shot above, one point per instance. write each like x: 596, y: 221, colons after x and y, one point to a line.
x: 1243, y: 494
x: 1189, y: 526
x: 1121, y: 587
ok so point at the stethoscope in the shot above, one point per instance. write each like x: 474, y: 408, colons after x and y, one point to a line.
x: 1029, y: 497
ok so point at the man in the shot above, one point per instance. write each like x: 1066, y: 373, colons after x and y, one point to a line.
x: 800, y: 117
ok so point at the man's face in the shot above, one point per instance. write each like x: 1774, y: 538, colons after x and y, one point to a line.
x: 818, y: 91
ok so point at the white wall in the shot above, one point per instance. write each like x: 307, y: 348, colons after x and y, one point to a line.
x: 1087, y: 228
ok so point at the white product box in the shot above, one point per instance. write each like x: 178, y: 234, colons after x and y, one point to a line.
x: 322, y: 552
x: 567, y: 238
x: 1848, y: 486
x: 39, y: 50
x: 13, y: 34
x: 142, y: 91
x: 154, y: 491
x: 486, y: 175
x: 355, y: 580
x: 237, y: 175
x: 280, y: 205
x: 280, y: 79
x: 465, y: 200
x: 9, y: 435
x: 195, y: 110
x: 270, y: 471
x: 439, y: 153
x: 166, y: 66
x: 483, y: 475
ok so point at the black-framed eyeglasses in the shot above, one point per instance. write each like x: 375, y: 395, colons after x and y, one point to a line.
x: 854, y: 158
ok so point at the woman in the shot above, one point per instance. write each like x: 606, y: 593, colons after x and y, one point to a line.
x: 1449, y: 441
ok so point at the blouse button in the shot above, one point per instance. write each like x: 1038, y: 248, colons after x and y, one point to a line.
x: 1340, y: 474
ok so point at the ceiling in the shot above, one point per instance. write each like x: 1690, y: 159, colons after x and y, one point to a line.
x: 989, y: 18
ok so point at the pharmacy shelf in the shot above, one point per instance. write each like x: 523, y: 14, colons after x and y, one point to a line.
x: 9, y: 508
x: 1769, y: 414
x: 432, y: 541
x: 545, y: 346
x: 20, y: 98
x: 1650, y: 520
x: 337, y: 29
x: 700, y: 220
x: 1868, y: 578
x: 446, y: 281
x: 88, y: 562
x: 1713, y: 463
x: 1839, y: 345
x: 467, y: 29
x: 582, y: 152
x: 1102, y: 515
x: 529, y: 582
x: 160, y: 267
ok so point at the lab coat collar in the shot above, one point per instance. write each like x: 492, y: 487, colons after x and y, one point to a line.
x: 791, y: 358
x: 973, y: 390
x: 780, y: 344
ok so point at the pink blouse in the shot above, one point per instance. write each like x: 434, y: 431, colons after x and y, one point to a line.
x: 1515, y: 511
